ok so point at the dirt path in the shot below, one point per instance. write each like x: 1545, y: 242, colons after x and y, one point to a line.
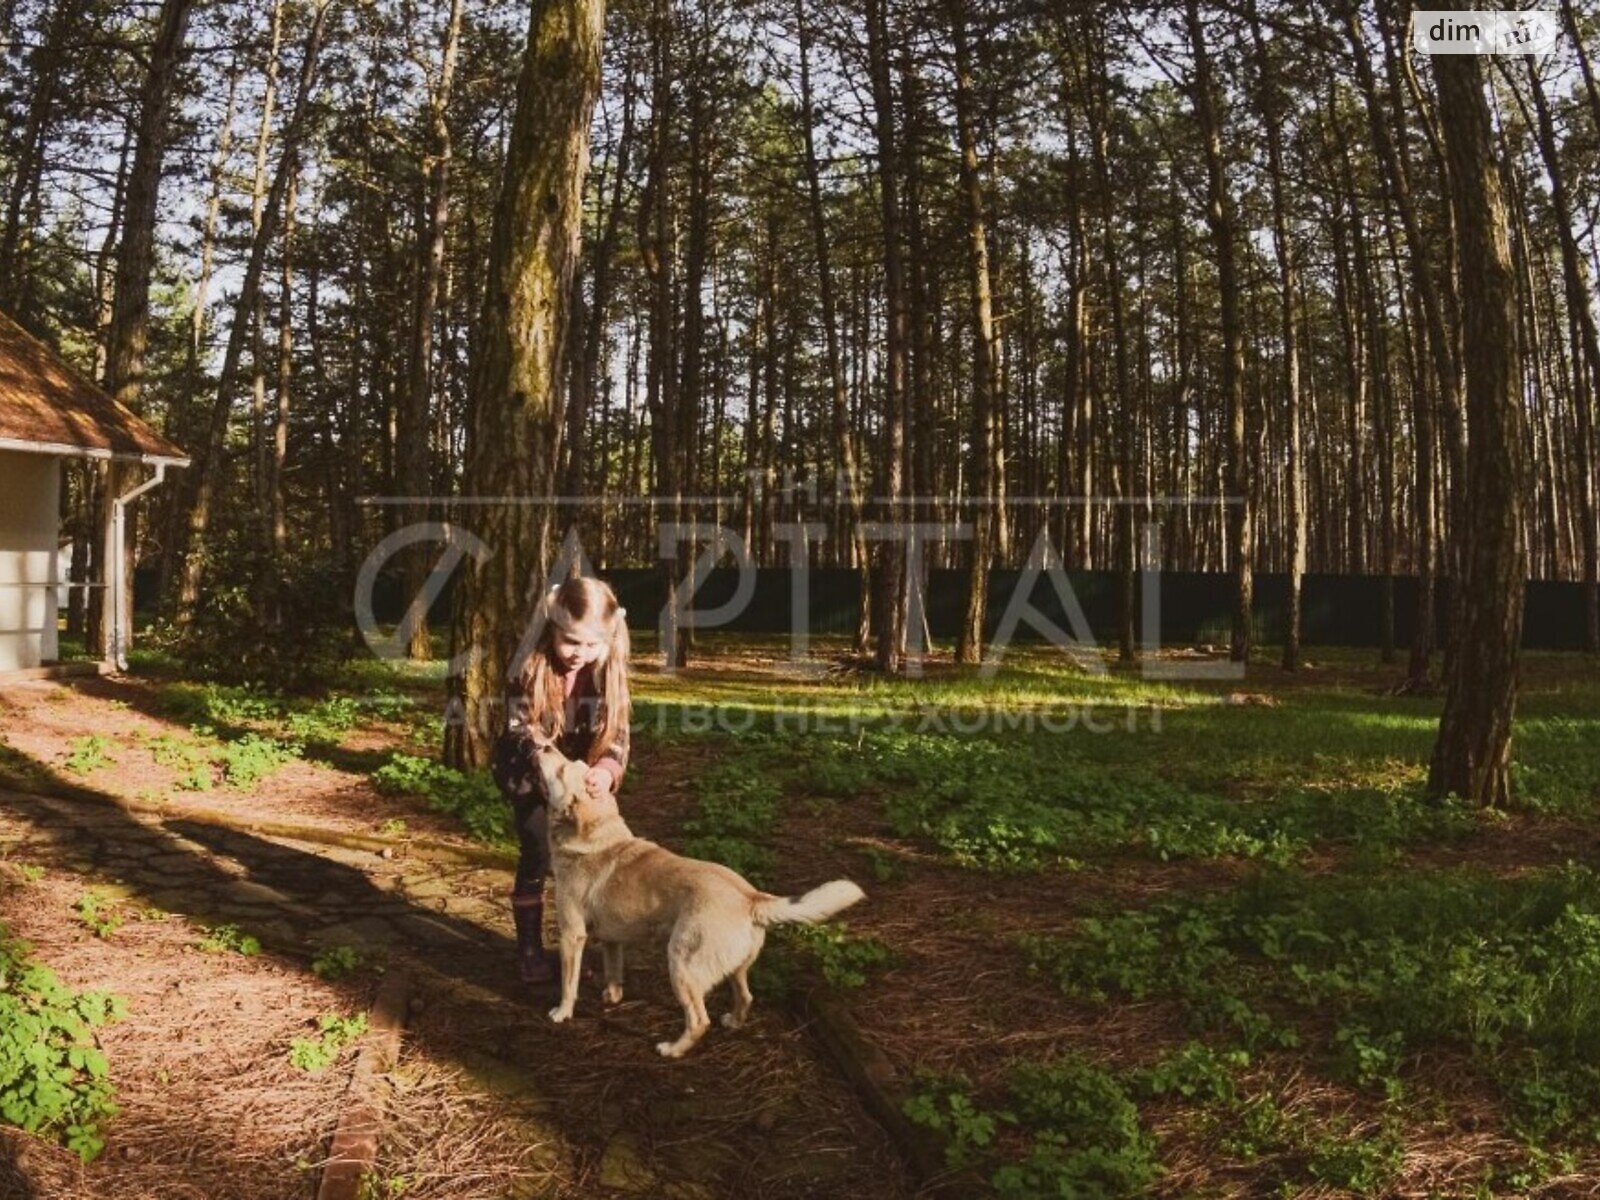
x: 490, y: 1099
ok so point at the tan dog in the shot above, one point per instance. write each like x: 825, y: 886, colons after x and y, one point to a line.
x: 626, y: 890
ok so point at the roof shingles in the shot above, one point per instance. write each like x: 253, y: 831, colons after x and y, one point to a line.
x: 47, y: 404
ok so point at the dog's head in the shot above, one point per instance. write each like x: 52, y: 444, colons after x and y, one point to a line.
x: 568, y: 796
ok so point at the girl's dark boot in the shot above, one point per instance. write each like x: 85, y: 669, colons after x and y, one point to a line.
x: 535, y: 964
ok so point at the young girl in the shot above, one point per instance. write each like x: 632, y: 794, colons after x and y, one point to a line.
x: 572, y: 690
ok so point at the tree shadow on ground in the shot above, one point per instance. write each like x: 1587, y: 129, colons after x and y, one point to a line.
x: 14, y: 1181
x: 753, y: 1114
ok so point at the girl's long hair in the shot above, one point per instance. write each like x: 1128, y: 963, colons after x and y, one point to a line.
x: 579, y: 601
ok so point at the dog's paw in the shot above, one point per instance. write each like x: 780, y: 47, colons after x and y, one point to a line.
x: 559, y: 1014
x: 731, y: 1021
x: 668, y: 1050
x: 612, y: 994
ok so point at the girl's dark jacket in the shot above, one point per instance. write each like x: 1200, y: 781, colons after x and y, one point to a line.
x: 512, y: 760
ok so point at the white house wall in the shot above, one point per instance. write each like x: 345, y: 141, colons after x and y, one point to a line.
x: 29, y: 524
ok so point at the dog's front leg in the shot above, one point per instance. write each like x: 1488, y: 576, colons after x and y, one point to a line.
x: 573, y: 935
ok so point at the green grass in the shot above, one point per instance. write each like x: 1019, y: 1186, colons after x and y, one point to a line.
x: 1312, y: 933
x: 1052, y: 766
x: 1327, y: 943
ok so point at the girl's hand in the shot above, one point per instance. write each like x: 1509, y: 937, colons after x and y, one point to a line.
x: 597, y: 781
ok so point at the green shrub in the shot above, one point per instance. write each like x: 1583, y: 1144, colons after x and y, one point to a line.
x: 1082, y: 1131
x: 316, y: 1054
x: 308, y: 636
x: 324, y: 722
x: 1088, y: 1139
x: 1014, y: 801
x: 25, y: 871
x: 53, y: 1080
x: 844, y: 959
x: 229, y: 939
x: 249, y: 759
x: 88, y: 753
x: 388, y: 705
x: 342, y: 961
x: 188, y: 757
x: 219, y: 704
x: 1197, y: 1073
x: 100, y: 916
x: 738, y: 854
x: 1363, y: 1165
x: 472, y: 799
x: 944, y: 1103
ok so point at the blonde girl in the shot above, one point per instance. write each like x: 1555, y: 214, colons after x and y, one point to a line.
x: 572, y: 689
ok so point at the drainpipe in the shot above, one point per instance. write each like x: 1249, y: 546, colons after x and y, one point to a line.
x: 119, y: 582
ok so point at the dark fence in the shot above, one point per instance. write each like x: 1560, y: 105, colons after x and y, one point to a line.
x: 1194, y: 607
x: 1191, y: 606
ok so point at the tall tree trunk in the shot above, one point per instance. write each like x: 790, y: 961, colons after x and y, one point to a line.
x: 130, y: 310
x: 1472, y: 756
x: 1288, y: 329
x: 1396, y: 180
x: 517, y: 378
x: 105, y: 275
x: 699, y: 142
x: 211, y: 458
x: 921, y: 400
x: 208, y: 229
x: 415, y: 473
x: 258, y: 356
x: 597, y: 321
x: 324, y: 406
x: 985, y: 368
x: 1077, y: 463
x: 844, y: 441
x: 1353, y: 291
x: 1183, y: 398
x: 1220, y: 219
x: 1586, y: 355
x: 130, y: 314
x: 1570, y: 18
x: 889, y: 604
x: 1386, y: 437
x: 658, y: 254
x: 280, y: 422
x: 1097, y: 105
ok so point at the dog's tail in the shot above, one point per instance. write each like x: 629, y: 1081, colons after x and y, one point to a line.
x: 818, y: 904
